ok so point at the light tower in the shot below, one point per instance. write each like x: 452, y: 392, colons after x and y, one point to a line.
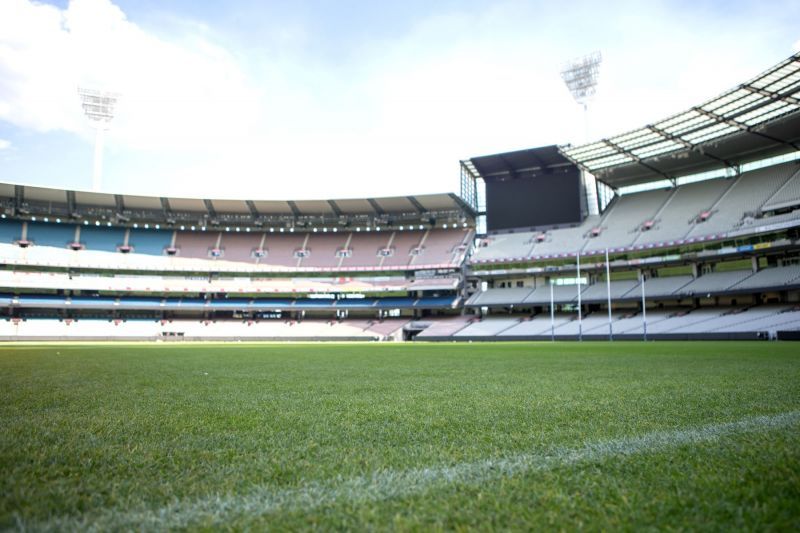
x: 99, y: 109
x: 580, y: 77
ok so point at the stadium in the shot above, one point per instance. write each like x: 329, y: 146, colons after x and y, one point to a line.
x: 709, y: 250
x: 595, y: 336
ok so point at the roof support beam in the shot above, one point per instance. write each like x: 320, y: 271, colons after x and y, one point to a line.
x: 253, y: 211
x: 210, y: 208
x: 294, y: 208
x: 120, y: 203
x: 785, y: 97
x: 378, y: 209
x: 336, y: 210
x: 638, y: 160
x: 743, y: 127
x: 690, y: 146
x: 418, y: 206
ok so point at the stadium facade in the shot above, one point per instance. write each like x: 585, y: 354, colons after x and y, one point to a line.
x: 689, y: 229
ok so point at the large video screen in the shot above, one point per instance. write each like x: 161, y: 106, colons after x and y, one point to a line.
x: 541, y: 200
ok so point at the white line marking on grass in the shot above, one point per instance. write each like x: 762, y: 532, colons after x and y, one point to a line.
x: 387, y: 484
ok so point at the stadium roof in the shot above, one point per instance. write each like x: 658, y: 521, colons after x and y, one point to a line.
x: 756, y: 119
x: 522, y: 163
x: 36, y: 200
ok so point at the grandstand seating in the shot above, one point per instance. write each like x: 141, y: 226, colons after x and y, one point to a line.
x: 500, y: 296
x: 10, y: 231
x: 566, y: 240
x: 622, y: 224
x: 561, y: 293
x: 365, y: 253
x: 487, y: 327
x: 672, y: 215
x: 240, y: 246
x: 401, y: 244
x: 787, y: 196
x: 149, y: 241
x: 770, y: 277
x: 745, y: 197
x: 197, y: 245
x: 56, y: 235
x: 322, y: 249
x: 681, y: 212
x: 445, y: 327
x: 715, y: 282
x: 598, y: 292
x: 102, y: 239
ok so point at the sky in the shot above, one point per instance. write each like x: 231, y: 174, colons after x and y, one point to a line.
x: 262, y: 99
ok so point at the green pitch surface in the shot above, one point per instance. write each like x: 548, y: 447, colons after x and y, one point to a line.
x: 429, y: 436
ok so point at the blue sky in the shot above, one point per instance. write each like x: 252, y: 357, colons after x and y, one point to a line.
x: 301, y: 99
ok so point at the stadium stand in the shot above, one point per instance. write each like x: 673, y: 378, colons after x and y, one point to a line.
x: 682, y: 210
x: 623, y: 223
x: 715, y: 282
x: 770, y: 278
x: 102, y: 239
x: 149, y: 241
x: 744, y: 199
x: 56, y: 235
x: 198, y: 245
x: 787, y: 196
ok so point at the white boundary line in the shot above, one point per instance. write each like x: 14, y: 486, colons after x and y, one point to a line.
x: 387, y: 484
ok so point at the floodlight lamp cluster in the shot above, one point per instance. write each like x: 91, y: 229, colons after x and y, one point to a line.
x: 580, y: 77
x: 98, y: 105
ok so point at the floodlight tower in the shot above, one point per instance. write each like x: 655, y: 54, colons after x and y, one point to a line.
x: 99, y: 109
x: 580, y: 76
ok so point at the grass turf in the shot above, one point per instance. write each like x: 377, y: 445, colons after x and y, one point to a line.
x: 185, y: 435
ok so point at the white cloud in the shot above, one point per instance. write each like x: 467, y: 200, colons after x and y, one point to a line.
x: 4, y: 144
x: 173, y: 94
x: 197, y: 118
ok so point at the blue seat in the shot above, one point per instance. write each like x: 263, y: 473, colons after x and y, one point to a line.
x: 149, y: 241
x: 93, y: 301
x: 271, y: 303
x: 239, y: 303
x: 312, y: 303
x: 140, y: 302
x: 42, y: 300
x: 101, y: 238
x: 57, y: 235
x: 10, y: 231
x: 352, y: 303
x: 435, y: 301
x: 395, y: 303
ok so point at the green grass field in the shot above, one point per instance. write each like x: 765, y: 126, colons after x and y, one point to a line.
x: 428, y: 436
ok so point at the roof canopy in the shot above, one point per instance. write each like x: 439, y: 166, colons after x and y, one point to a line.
x: 22, y: 199
x: 754, y: 120
x: 522, y: 163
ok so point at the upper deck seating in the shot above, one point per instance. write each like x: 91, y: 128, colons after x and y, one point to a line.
x: 787, y: 196
x: 149, y: 241
x: 102, y: 239
x: 10, y: 231
x: 776, y: 277
x: 322, y: 250
x: 745, y: 196
x: 196, y: 244
x: 623, y: 223
x: 240, y: 246
x: 681, y: 213
x: 57, y: 235
x: 401, y: 244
